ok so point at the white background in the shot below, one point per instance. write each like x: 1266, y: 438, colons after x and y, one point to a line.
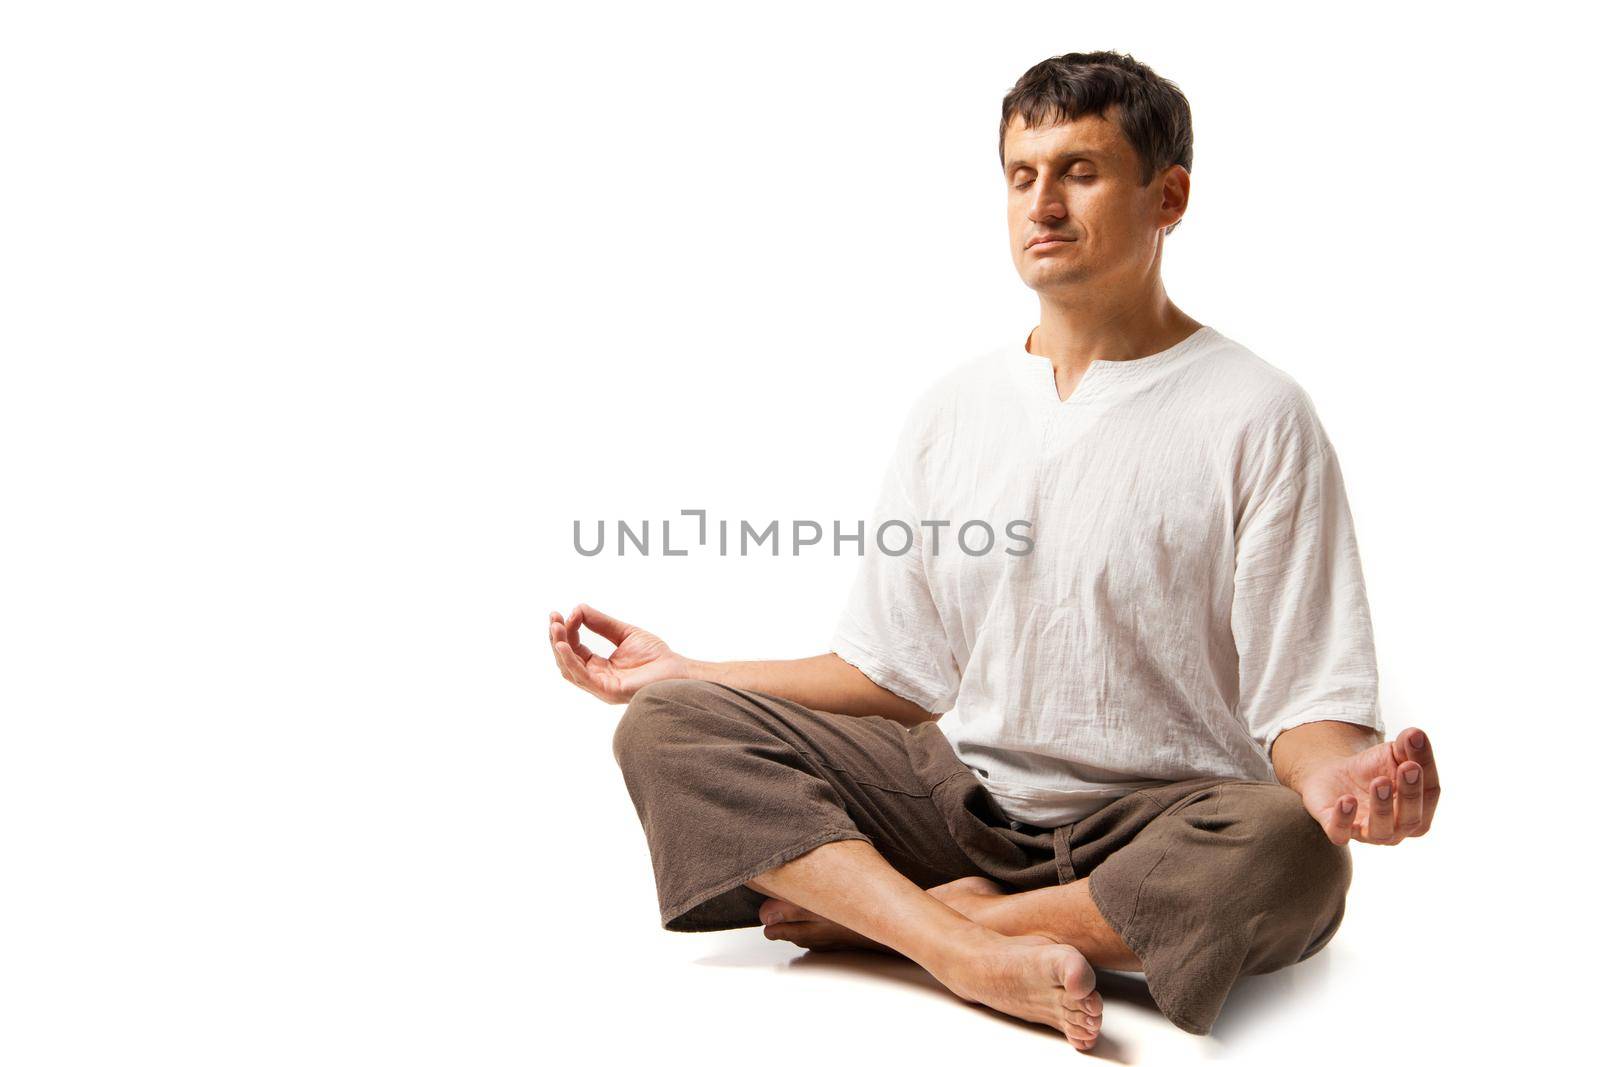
x: 322, y: 322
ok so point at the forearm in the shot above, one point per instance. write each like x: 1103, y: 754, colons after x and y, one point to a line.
x: 826, y: 683
x: 1300, y: 751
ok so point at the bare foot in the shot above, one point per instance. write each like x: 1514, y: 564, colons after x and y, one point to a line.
x: 783, y: 921
x: 1032, y: 978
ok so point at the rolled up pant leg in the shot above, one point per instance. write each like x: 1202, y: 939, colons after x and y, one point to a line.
x: 730, y: 783
x: 1210, y: 880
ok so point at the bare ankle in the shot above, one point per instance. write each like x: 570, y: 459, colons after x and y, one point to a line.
x: 971, y: 945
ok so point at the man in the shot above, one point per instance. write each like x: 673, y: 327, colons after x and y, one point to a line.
x: 1142, y: 745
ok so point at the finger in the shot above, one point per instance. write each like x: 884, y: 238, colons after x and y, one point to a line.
x: 1430, y: 801
x: 613, y: 630
x: 569, y: 634
x: 577, y: 673
x: 1380, y: 811
x: 1412, y: 744
x: 556, y: 637
x: 1408, y: 811
x: 1341, y: 822
x: 1420, y: 749
x: 565, y: 667
x: 558, y: 631
x: 583, y: 651
x: 570, y: 661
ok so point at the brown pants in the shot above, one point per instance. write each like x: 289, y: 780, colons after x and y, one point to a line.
x: 1205, y: 880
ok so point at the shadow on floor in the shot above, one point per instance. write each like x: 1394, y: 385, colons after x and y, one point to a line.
x: 1256, y: 999
x: 1126, y: 990
x: 1253, y: 1000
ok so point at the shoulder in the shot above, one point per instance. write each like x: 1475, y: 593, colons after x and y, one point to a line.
x: 1251, y: 389
x: 970, y: 385
x: 1267, y: 418
x: 1262, y: 404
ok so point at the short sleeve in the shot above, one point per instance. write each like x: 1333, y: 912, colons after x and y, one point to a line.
x: 890, y: 628
x: 1301, y: 622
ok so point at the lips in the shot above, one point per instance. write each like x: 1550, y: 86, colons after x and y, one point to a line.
x: 1047, y: 240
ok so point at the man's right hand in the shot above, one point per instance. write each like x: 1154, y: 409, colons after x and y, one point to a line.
x: 825, y: 682
x: 639, y: 658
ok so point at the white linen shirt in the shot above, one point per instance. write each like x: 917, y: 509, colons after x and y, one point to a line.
x: 1193, y: 590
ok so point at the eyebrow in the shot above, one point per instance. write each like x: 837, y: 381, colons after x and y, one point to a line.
x: 1062, y: 158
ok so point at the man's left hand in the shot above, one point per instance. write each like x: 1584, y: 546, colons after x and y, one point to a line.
x: 1379, y: 796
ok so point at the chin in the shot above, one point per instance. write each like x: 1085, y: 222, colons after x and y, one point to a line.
x: 1049, y: 279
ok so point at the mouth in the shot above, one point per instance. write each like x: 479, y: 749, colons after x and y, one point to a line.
x: 1045, y: 243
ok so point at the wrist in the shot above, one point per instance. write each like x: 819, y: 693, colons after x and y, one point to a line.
x: 699, y: 670
x: 1302, y: 751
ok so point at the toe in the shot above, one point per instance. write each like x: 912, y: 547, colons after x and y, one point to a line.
x: 1079, y: 1033
x: 1088, y: 1022
x: 781, y: 911
x: 1074, y: 974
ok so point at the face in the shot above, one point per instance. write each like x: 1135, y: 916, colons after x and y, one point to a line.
x: 1073, y: 189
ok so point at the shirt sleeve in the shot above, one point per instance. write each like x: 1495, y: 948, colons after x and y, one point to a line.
x: 890, y: 628
x: 1301, y: 622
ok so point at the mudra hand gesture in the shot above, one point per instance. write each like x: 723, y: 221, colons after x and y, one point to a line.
x: 639, y: 658
x: 1379, y: 796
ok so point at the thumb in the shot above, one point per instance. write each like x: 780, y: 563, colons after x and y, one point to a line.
x: 613, y: 630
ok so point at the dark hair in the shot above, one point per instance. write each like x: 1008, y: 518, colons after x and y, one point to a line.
x: 1153, y: 113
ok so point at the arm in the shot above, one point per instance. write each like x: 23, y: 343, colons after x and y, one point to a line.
x: 1357, y: 785
x: 1308, y: 682
x: 826, y: 682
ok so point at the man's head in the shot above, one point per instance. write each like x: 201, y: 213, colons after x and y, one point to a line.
x: 1096, y: 150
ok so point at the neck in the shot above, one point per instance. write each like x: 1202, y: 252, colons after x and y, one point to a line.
x: 1073, y: 333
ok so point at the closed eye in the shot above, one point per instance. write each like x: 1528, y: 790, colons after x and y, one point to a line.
x: 1074, y: 177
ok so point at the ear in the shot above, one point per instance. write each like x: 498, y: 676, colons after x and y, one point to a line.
x: 1174, y: 196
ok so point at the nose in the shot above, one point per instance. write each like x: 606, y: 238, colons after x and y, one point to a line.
x: 1047, y: 203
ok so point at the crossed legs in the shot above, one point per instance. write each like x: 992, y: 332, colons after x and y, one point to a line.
x: 759, y: 811
x: 1063, y: 913
x: 1033, y: 977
